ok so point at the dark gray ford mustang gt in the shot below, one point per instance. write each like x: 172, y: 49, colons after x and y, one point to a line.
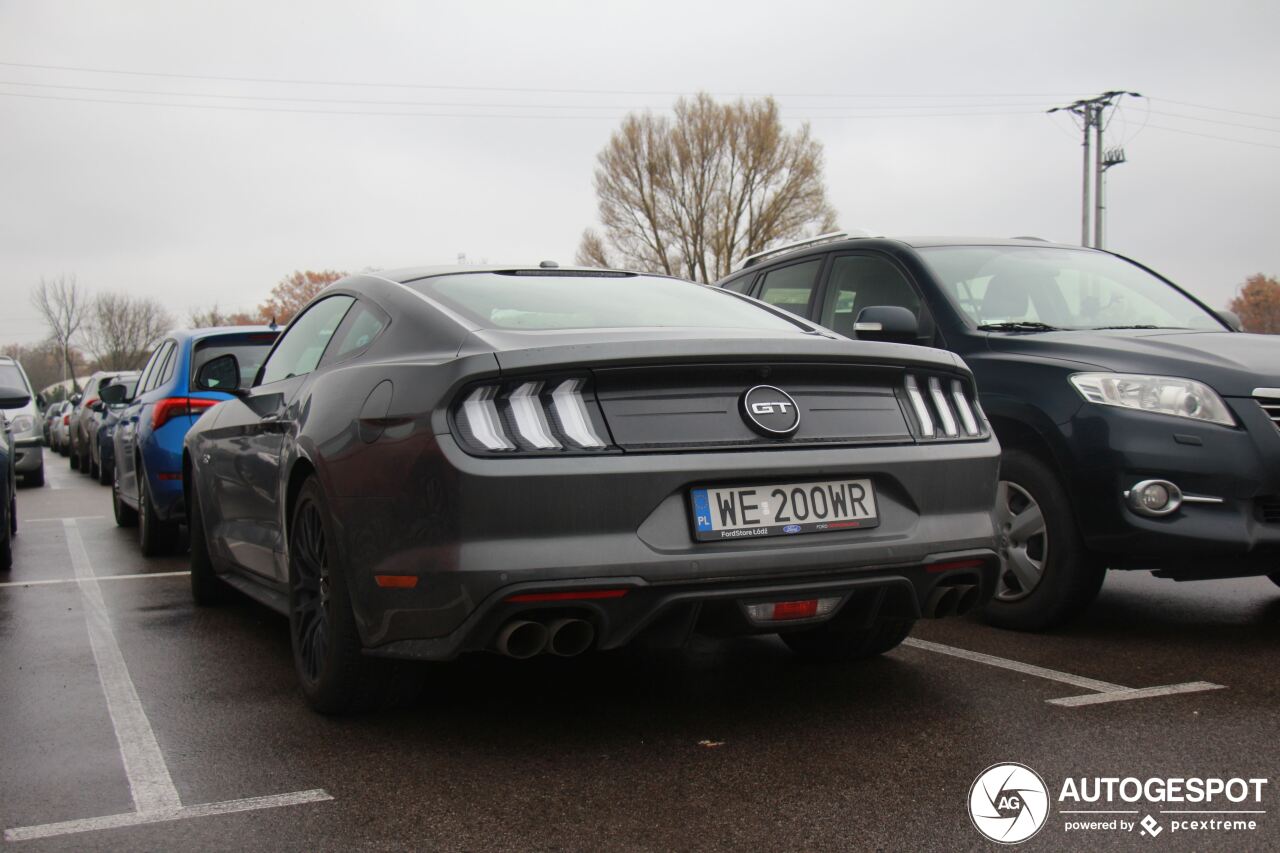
x: 435, y: 461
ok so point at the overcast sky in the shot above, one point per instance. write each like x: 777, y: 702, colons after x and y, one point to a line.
x: 198, y: 205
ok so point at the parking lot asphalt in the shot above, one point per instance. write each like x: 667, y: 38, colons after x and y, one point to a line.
x: 728, y: 745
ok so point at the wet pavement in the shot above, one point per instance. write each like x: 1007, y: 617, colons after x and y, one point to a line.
x: 131, y: 720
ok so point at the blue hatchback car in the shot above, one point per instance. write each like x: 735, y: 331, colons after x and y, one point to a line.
x: 147, y: 487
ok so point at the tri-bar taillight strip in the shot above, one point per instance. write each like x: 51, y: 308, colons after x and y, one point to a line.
x: 538, y: 420
x: 951, y: 410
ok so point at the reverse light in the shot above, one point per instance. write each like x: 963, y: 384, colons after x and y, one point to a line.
x: 922, y: 411
x: 1162, y: 395
x: 784, y: 611
x: 175, y: 407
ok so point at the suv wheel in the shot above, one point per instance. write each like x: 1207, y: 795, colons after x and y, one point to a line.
x: 6, y: 536
x: 126, y: 516
x: 75, y: 460
x: 833, y: 642
x: 1047, y: 575
x: 36, y: 478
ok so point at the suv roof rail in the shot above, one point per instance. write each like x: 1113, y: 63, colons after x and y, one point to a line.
x: 799, y: 244
x: 1028, y: 237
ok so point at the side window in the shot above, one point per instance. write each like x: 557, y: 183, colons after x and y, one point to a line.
x: 741, y: 284
x: 170, y: 362
x: 145, y: 376
x: 361, y: 325
x: 861, y: 281
x: 791, y: 287
x: 304, y: 341
x: 156, y: 366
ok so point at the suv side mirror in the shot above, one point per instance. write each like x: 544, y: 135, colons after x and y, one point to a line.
x: 219, y: 374
x: 13, y: 398
x: 113, y: 395
x: 1232, y: 319
x: 887, y: 323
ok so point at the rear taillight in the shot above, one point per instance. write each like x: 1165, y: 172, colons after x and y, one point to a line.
x: 66, y: 420
x: 784, y: 611
x: 531, y: 416
x: 944, y: 407
x: 175, y: 407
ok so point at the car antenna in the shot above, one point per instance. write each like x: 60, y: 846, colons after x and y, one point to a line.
x: 272, y: 325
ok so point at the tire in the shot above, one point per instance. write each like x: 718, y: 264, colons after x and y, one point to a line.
x: 207, y: 589
x: 156, y: 536
x: 126, y: 516
x: 6, y: 537
x: 833, y: 642
x: 1068, y: 576
x: 335, y: 676
x: 106, y: 473
x: 93, y: 468
x: 75, y: 461
x: 1275, y: 579
x: 35, y: 479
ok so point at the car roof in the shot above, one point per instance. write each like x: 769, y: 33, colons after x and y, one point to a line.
x: 914, y: 242
x: 408, y: 274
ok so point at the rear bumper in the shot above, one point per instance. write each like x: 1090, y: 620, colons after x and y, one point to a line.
x: 472, y: 529
x: 666, y: 614
x: 28, y: 456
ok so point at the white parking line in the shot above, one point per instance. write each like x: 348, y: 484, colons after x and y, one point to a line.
x: 155, y: 798
x: 1104, y: 691
x: 134, y: 576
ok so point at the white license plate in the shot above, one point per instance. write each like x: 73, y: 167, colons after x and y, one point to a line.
x: 743, y: 512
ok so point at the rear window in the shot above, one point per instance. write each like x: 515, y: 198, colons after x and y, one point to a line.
x: 249, y: 348
x: 570, y: 300
x: 11, y: 377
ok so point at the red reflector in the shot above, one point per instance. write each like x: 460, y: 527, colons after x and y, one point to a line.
x: 580, y: 595
x: 955, y: 564
x: 169, y: 475
x: 806, y: 609
x: 66, y: 420
x: 396, y: 581
x: 88, y: 403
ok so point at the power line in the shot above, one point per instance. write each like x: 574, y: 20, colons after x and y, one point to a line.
x: 540, y: 90
x: 482, y: 104
x: 1212, y: 136
x: 602, y: 117
x: 1217, y: 121
x: 1217, y: 109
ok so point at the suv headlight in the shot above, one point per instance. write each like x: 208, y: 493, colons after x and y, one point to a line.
x: 23, y: 424
x: 1164, y: 395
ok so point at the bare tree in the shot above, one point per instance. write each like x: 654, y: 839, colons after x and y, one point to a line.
x: 64, y: 306
x: 123, y: 329
x: 207, y: 318
x: 694, y: 194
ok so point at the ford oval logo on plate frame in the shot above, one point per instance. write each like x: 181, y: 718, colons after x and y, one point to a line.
x: 770, y: 411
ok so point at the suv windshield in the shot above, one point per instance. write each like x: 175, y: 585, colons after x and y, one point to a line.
x: 569, y: 300
x: 11, y: 377
x: 1030, y: 288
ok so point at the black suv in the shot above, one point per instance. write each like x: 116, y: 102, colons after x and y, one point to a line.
x: 1140, y: 429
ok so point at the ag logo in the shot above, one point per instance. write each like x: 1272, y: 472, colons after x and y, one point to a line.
x: 770, y: 411
x: 1008, y: 803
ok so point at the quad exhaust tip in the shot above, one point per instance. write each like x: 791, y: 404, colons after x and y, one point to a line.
x: 521, y: 639
x: 568, y: 638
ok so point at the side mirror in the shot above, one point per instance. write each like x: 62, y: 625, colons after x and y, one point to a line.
x: 887, y: 323
x: 13, y: 398
x: 113, y: 395
x: 219, y: 374
x: 41, y: 402
x: 1232, y: 319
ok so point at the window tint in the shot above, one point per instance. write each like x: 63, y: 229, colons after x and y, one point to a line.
x: 304, y: 341
x: 145, y: 380
x: 166, y: 370
x: 861, y: 281
x: 740, y: 285
x: 361, y: 326
x: 791, y: 288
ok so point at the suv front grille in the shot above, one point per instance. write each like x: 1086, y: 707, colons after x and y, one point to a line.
x: 1269, y: 510
x: 1271, y: 405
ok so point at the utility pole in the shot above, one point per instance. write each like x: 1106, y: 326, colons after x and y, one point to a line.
x: 1092, y: 113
